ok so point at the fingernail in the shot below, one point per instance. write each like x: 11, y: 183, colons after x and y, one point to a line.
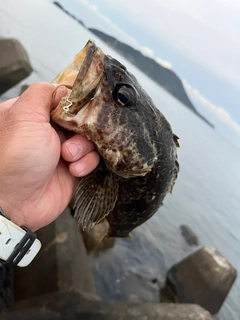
x: 79, y: 168
x: 58, y: 94
x: 74, y: 149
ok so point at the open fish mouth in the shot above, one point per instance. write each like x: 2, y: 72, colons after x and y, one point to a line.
x: 82, y: 76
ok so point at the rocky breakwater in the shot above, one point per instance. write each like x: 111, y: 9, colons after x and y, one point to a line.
x: 177, y: 271
x: 204, y: 277
x: 58, y: 285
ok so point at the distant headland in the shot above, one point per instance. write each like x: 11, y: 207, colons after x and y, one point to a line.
x: 165, y: 77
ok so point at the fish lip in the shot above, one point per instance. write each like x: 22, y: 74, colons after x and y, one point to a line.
x: 92, y: 48
x: 89, y: 57
x: 80, y: 64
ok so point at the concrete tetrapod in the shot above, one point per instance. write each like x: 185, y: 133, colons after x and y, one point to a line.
x: 204, y: 278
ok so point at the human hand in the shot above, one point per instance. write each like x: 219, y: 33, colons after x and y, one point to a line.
x: 39, y: 161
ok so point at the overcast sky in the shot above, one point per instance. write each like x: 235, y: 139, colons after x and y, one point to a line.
x: 198, y: 39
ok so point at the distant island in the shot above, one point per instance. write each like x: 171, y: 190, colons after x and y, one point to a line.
x: 71, y: 15
x: 165, y: 77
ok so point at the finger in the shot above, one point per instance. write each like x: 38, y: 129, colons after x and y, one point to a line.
x: 76, y: 147
x: 60, y: 92
x: 85, y: 165
x: 35, y: 102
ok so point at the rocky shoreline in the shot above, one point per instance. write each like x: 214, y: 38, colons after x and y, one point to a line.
x: 137, y: 270
x: 64, y: 273
x: 64, y: 286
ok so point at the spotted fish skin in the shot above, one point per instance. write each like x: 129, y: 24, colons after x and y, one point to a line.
x: 140, y: 197
x: 138, y: 164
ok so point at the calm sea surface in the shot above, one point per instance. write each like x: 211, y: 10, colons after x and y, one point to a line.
x: 206, y: 196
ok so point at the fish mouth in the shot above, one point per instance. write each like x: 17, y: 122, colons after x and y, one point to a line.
x: 82, y: 76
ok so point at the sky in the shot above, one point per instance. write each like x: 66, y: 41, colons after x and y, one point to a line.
x: 199, y: 40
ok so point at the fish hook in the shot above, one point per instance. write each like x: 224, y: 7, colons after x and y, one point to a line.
x: 66, y: 108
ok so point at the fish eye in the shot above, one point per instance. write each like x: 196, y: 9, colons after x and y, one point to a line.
x: 124, y: 95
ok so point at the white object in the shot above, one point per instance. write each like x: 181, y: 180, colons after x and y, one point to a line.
x: 10, y: 236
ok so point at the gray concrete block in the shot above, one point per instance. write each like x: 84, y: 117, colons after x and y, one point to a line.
x: 143, y: 311
x: 14, y: 63
x: 205, y: 278
x: 61, y: 264
x: 72, y: 306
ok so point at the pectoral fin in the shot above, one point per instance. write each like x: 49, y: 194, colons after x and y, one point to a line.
x: 96, y: 196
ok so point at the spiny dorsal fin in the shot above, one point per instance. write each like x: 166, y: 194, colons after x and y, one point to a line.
x: 175, y: 138
x: 174, y: 177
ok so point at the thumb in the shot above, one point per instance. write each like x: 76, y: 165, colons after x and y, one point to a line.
x: 36, y: 102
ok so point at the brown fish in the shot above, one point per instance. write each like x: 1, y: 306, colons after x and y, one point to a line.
x: 138, y: 164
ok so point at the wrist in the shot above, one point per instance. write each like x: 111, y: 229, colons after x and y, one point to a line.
x: 12, y: 212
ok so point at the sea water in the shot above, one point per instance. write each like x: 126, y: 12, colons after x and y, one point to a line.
x: 206, y: 195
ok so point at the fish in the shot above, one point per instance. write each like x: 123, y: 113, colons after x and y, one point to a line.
x: 138, y: 149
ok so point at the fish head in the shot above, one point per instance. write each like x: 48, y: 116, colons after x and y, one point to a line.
x: 109, y: 107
